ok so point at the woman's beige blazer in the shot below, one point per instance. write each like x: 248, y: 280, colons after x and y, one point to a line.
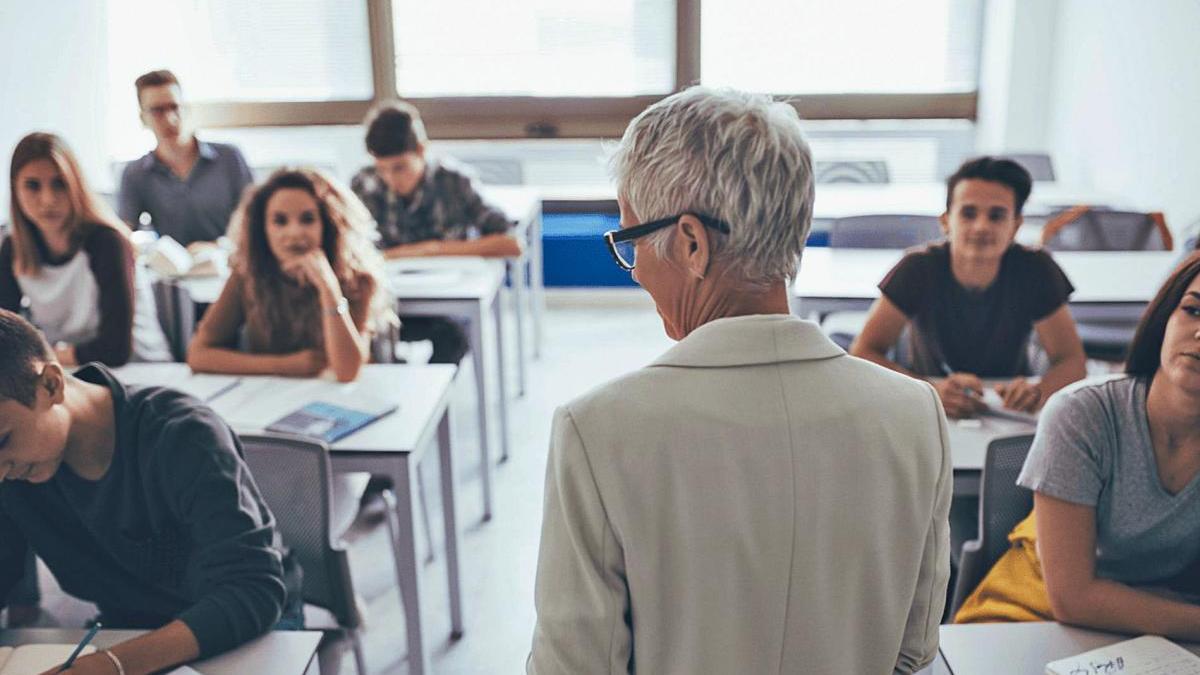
x: 754, y: 501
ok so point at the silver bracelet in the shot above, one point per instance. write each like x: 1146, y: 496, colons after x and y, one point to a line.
x: 115, y: 661
x: 341, y: 308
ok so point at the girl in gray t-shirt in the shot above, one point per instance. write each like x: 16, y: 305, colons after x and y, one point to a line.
x: 1115, y: 467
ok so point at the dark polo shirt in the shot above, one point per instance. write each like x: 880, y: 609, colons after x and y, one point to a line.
x: 193, y: 209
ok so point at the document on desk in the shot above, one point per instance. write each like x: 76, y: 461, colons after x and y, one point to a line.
x: 995, y: 408
x: 1146, y: 655
x: 34, y: 658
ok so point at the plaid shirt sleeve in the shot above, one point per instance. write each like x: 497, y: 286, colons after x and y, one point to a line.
x: 470, y: 208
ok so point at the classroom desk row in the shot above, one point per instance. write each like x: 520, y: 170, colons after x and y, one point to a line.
x: 1004, y: 648
x: 1111, y: 286
x: 277, y: 653
x: 840, y: 200
x: 393, y: 445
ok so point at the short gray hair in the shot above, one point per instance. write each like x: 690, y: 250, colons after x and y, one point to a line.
x: 731, y: 155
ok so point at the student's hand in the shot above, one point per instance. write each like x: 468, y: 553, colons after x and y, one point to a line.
x: 92, y: 664
x: 1020, y: 394
x: 313, y: 269
x: 961, y: 394
x: 304, y: 363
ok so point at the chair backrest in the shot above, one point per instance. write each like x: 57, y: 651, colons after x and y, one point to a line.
x: 293, y: 475
x: 869, y: 171
x: 1002, y: 504
x: 1038, y: 164
x: 1087, y: 229
x: 883, y: 231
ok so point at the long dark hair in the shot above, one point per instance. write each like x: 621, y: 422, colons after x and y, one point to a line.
x: 1145, y: 353
x: 87, y: 210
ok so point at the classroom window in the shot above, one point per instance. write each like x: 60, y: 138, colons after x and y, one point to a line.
x: 231, y: 50
x: 534, y: 47
x: 844, y: 47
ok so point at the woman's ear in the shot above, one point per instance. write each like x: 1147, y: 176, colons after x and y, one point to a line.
x: 693, y: 245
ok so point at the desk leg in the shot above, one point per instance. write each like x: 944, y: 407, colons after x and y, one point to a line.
x: 537, y: 294
x: 408, y: 568
x: 484, y: 411
x: 503, y: 370
x: 520, y: 287
x: 450, y: 518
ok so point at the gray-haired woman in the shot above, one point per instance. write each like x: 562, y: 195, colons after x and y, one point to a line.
x: 755, y: 500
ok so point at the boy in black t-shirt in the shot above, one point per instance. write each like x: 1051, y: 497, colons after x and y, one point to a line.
x: 138, y: 500
x: 972, y: 300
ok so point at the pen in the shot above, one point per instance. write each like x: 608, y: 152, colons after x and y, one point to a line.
x: 82, y: 643
x: 948, y: 371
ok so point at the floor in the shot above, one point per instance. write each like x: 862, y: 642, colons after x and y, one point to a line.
x: 587, y: 342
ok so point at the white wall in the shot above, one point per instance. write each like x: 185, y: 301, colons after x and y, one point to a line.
x: 1014, y: 78
x: 53, y: 77
x: 1125, y: 108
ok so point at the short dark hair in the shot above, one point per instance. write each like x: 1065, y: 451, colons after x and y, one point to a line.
x: 1145, y: 352
x: 22, y: 348
x: 998, y: 170
x: 154, y: 78
x: 394, y: 128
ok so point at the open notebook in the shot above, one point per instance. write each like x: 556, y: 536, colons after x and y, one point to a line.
x: 35, y: 659
x: 1147, y: 655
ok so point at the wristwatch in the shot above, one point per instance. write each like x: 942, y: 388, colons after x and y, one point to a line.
x: 342, y: 306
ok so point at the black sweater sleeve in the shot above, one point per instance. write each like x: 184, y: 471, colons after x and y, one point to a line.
x: 110, y: 257
x: 10, y: 292
x: 12, y: 553
x: 238, y: 572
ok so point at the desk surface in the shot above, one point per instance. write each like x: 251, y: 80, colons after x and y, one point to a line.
x: 1098, y: 276
x: 445, y: 278
x: 1004, y: 648
x: 518, y: 202
x: 969, y: 438
x: 282, y: 652
x: 257, y: 401
x: 838, y: 200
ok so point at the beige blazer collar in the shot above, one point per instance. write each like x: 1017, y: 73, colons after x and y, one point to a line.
x: 749, y: 340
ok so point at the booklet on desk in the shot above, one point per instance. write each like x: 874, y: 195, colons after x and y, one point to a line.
x: 34, y: 658
x: 1146, y: 655
x: 327, y: 421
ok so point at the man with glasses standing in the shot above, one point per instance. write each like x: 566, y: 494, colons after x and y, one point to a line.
x: 184, y: 187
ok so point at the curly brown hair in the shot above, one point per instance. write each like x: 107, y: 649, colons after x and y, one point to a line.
x: 347, y: 238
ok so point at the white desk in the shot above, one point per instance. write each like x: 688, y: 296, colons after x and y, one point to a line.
x: 523, y: 205
x: 457, y: 286
x: 277, y: 652
x: 470, y: 289
x: 1109, y: 285
x: 1004, y: 648
x: 392, y: 445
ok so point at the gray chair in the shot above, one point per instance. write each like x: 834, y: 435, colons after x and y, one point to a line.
x: 313, y: 508
x: 1038, y: 164
x: 873, y: 231
x: 867, y: 171
x: 883, y: 231
x: 1092, y: 229
x: 1002, y: 504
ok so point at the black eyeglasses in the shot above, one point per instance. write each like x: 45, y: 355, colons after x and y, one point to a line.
x: 620, y: 242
